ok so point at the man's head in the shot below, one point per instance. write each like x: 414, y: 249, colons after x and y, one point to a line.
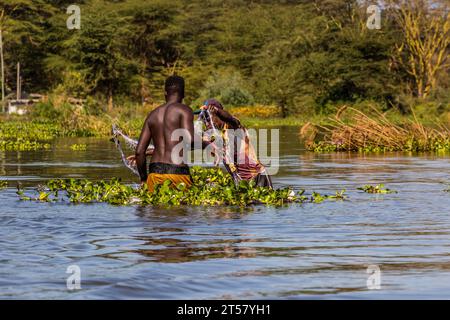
x: 174, y: 86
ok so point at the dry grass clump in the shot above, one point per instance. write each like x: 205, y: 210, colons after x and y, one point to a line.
x: 361, y: 132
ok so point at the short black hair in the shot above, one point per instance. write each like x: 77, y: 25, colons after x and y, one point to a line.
x: 174, y: 84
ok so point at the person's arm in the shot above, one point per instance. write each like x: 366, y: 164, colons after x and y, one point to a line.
x: 187, y: 123
x: 228, y: 118
x: 132, y: 158
x: 144, y: 141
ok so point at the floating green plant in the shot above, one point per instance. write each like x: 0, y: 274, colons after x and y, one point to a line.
x: 22, y: 145
x: 78, y: 147
x: 3, y: 184
x: 211, y: 187
x: 28, y: 131
x: 379, y: 188
x: 26, y: 136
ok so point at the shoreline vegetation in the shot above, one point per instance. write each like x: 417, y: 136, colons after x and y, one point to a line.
x: 303, y: 61
x: 425, y: 129
x: 354, y: 130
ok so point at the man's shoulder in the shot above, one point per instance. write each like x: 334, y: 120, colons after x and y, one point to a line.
x: 178, y: 106
x: 166, y: 110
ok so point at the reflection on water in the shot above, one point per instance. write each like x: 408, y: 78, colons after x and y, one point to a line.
x: 308, y: 250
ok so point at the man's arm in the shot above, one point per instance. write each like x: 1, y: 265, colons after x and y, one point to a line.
x: 144, y: 141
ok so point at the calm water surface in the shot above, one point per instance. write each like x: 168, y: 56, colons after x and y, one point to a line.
x: 302, y: 251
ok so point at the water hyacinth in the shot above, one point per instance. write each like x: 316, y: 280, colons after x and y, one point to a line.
x: 379, y: 188
x: 212, y: 187
x: 26, y: 130
x: 22, y: 145
x: 78, y: 147
x: 26, y: 136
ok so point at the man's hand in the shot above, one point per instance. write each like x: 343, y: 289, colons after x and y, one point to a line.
x: 132, y: 160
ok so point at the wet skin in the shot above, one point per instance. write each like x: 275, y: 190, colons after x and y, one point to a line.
x: 158, y: 127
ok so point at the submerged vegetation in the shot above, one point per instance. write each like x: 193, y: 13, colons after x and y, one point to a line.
x: 367, y: 133
x: 211, y: 187
x: 379, y: 188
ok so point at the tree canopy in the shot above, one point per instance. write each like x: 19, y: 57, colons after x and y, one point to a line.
x: 299, y: 55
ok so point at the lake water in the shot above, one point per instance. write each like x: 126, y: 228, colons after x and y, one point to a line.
x: 313, y: 251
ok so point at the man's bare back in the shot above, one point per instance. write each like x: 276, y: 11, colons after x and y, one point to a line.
x: 159, y: 126
x: 162, y: 122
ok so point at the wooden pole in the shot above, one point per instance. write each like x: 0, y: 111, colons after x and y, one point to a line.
x: 18, y: 81
x: 2, y: 71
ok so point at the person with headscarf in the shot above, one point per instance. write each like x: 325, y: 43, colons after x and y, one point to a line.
x: 239, y: 155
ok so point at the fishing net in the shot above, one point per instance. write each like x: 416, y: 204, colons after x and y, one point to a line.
x: 130, y: 143
x: 205, y: 118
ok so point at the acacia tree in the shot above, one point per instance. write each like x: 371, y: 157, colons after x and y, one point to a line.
x: 327, y: 55
x: 152, y: 42
x: 99, y: 51
x: 2, y: 60
x: 423, y: 51
x: 24, y: 24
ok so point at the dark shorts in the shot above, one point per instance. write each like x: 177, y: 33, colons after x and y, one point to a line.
x: 168, y: 168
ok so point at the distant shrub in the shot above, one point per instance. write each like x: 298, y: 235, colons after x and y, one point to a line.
x: 228, y: 87
x: 45, y: 110
x: 73, y: 84
x: 92, y: 107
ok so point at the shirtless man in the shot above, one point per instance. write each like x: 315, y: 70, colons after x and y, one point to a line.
x: 159, y: 126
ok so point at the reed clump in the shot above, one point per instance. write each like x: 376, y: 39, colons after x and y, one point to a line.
x: 358, y: 131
